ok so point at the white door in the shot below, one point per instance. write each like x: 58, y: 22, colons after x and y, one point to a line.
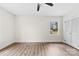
x: 75, y: 32
x: 68, y: 33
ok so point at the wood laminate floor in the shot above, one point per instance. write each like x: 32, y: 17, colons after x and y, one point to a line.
x: 39, y: 49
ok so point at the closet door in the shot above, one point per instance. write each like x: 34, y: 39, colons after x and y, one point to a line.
x: 68, y: 33
x: 75, y: 32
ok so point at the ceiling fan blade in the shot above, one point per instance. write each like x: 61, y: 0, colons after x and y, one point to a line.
x: 38, y: 7
x: 50, y: 4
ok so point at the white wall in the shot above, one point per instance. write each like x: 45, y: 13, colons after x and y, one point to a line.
x: 7, y: 28
x: 36, y: 29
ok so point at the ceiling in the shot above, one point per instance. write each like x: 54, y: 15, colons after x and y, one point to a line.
x: 59, y: 9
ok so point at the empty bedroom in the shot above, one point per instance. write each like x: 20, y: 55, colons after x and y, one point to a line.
x: 39, y: 29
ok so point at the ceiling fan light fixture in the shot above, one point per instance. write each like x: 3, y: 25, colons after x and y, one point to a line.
x: 49, y: 4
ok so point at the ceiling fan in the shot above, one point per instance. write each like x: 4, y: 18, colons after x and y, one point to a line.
x: 49, y: 4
